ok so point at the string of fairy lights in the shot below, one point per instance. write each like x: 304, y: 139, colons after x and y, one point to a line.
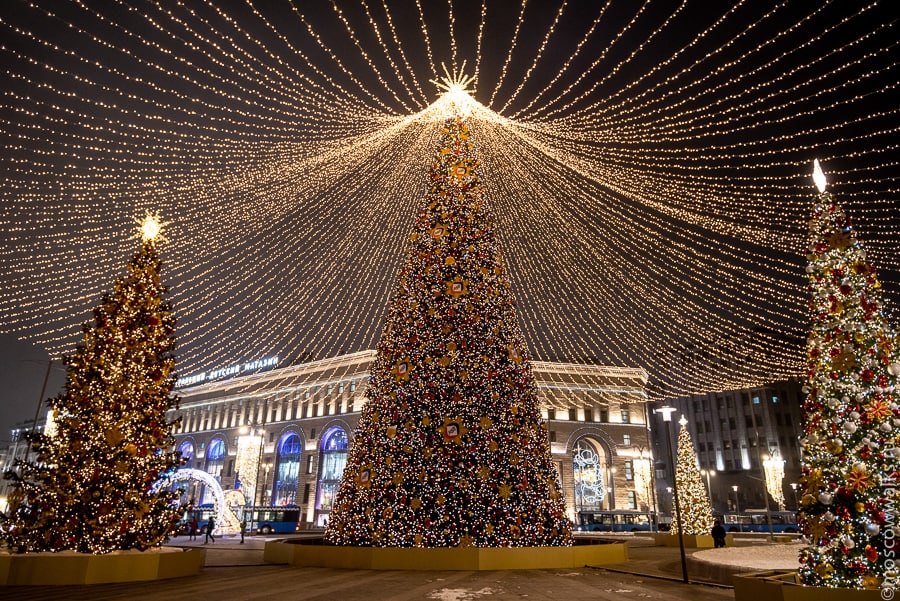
x: 649, y: 164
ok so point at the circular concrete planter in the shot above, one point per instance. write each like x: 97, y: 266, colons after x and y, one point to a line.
x: 784, y: 586
x: 69, y: 567
x: 691, y: 541
x: 306, y: 553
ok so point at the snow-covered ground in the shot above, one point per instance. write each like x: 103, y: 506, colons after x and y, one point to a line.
x: 757, y: 557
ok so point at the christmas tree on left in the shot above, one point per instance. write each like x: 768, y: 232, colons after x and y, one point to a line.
x: 90, y: 483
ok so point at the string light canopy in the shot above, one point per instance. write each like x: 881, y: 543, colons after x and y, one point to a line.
x: 647, y: 163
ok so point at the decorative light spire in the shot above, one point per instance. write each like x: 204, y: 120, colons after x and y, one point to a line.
x: 819, y: 176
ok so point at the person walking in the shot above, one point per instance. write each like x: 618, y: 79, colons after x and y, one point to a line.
x: 193, y: 528
x: 210, y: 526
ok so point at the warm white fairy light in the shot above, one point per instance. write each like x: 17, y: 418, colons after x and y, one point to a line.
x: 642, y: 165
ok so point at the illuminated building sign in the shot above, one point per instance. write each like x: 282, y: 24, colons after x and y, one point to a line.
x: 234, y: 370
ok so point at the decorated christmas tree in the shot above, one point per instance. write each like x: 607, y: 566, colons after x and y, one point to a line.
x: 451, y: 449
x: 696, y: 511
x: 851, y: 419
x: 91, y: 485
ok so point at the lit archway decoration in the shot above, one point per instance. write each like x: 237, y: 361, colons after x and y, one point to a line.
x: 226, y: 521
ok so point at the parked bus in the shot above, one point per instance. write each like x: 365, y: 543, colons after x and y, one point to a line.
x: 272, y: 520
x: 756, y: 521
x: 615, y: 521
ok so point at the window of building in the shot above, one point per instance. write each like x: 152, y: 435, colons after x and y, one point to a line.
x: 604, y: 415
x: 309, y: 464
x: 588, y: 414
x: 626, y: 416
x: 230, y: 470
x: 287, y: 470
x: 726, y: 444
x: 552, y: 435
x: 590, y: 487
x: 629, y: 470
x: 307, y: 489
x: 573, y: 414
x: 699, y: 427
x: 186, y: 448
x: 756, y: 400
x: 332, y: 460
x: 215, y: 463
x: 626, y: 439
x: 551, y: 413
x: 731, y: 423
x: 632, y: 500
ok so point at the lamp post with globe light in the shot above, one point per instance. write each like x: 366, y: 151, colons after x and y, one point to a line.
x: 666, y: 413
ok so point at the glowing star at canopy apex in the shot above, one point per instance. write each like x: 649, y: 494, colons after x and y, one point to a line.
x: 456, y: 99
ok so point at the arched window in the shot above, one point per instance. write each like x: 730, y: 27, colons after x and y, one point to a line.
x: 186, y: 448
x: 590, y: 486
x: 287, y: 470
x: 215, y: 463
x: 332, y: 460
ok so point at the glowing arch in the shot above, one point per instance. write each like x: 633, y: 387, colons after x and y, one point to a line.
x: 226, y: 522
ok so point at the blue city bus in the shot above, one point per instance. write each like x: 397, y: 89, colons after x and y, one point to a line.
x: 272, y: 520
x: 756, y: 521
x: 615, y: 520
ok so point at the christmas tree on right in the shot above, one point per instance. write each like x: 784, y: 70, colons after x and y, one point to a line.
x: 851, y: 417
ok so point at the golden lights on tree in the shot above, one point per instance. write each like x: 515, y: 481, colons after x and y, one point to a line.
x: 693, y: 499
x: 851, y: 418
x: 93, y: 485
x: 644, y: 164
x: 450, y: 450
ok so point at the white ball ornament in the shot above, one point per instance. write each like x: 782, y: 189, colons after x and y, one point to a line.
x: 828, y: 516
x: 825, y: 499
x: 848, y: 542
x: 894, y: 369
x: 850, y: 427
x: 873, y: 529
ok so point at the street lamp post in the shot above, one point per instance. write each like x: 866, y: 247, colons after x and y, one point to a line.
x: 667, y: 420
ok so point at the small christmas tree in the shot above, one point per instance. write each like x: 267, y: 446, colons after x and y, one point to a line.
x: 91, y: 487
x: 696, y: 510
x: 450, y: 449
x: 851, y: 419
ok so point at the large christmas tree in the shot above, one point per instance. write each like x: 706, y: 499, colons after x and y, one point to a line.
x: 450, y: 449
x: 696, y: 511
x: 851, y: 417
x: 91, y: 487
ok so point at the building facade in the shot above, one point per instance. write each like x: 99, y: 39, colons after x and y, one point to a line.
x: 281, y: 436
x: 735, y: 433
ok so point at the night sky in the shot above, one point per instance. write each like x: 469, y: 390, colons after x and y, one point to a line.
x: 649, y: 165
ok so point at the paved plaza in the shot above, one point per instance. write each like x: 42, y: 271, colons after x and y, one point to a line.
x: 236, y: 571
